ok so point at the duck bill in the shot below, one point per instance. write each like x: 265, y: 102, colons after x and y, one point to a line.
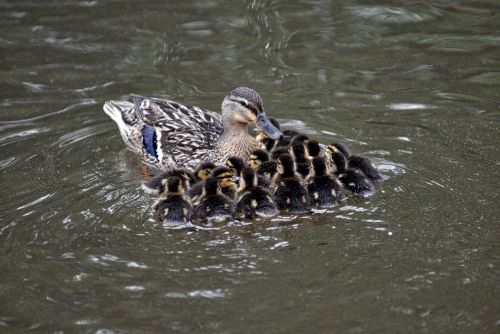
x: 265, y: 125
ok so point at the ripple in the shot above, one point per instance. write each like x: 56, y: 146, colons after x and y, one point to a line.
x: 409, y: 106
x: 383, y: 14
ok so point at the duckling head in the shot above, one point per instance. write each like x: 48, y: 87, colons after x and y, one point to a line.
x: 313, y: 148
x: 257, y: 157
x: 244, y: 106
x: 300, y: 138
x: 236, y: 164
x: 211, y: 186
x: 337, y: 147
x: 299, y: 152
x: 337, y: 160
x: 224, y: 176
x: 277, y: 152
x: 173, y: 185
x: 203, y: 170
x: 319, y: 166
x: 286, y: 165
x: 247, y: 179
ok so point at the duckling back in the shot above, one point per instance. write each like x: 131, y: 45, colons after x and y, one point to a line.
x: 172, y: 208
x: 325, y: 190
x: 290, y: 194
x: 214, y: 207
x: 254, y: 199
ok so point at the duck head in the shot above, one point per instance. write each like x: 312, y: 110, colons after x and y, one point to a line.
x: 258, y: 157
x: 244, y: 106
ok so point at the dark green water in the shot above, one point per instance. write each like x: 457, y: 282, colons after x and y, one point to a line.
x: 414, y: 86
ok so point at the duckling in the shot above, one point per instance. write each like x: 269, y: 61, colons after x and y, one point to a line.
x: 313, y: 148
x: 214, y: 207
x: 172, y: 208
x: 224, y: 176
x: 236, y: 164
x: 352, y: 179
x: 290, y: 194
x: 254, y: 199
x: 202, y: 172
x: 259, y: 160
x: 156, y: 186
x: 361, y: 163
x: 275, y: 153
x: 300, y: 138
x: 325, y: 190
x: 267, y: 142
x: 301, y: 158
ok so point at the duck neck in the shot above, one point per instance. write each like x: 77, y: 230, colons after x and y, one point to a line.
x: 236, y: 141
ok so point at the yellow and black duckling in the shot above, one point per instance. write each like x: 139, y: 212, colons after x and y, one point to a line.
x: 313, y: 148
x: 254, y: 200
x: 325, y: 190
x: 214, y: 206
x: 259, y: 160
x: 301, y: 158
x: 155, y: 185
x: 351, y: 178
x: 202, y: 172
x: 290, y: 194
x: 237, y: 165
x: 268, y: 143
x: 361, y: 163
x: 172, y: 207
x: 224, y: 176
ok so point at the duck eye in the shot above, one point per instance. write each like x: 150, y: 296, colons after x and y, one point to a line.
x: 244, y: 103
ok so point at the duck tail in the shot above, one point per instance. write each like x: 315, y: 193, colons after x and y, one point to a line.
x: 130, y: 125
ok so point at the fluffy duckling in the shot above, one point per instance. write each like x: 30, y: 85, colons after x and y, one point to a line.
x: 300, y: 138
x: 361, y: 163
x: 313, y: 148
x: 268, y: 143
x: 290, y: 194
x: 254, y: 199
x: 236, y: 164
x: 277, y: 152
x: 202, y: 172
x: 259, y: 160
x: 224, y: 176
x: 214, y: 207
x: 325, y: 190
x: 155, y: 185
x: 301, y: 158
x: 172, y: 208
x: 352, y: 179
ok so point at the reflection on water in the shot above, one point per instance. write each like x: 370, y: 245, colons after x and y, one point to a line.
x: 412, y: 85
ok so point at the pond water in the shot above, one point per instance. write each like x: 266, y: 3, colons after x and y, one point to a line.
x: 414, y: 85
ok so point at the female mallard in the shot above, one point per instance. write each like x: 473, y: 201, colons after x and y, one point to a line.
x: 168, y: 134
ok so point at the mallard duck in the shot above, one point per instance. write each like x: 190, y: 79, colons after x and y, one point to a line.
x: 325, y: 190
x: 254, y: 200
x: 259, y: 160
x: 351, y: 178
x: 172, y: 208
x: 361, y: 163
x: 224, y: 177
x: 290, y: 194
x: 169, y: 134
x: 214, y: 206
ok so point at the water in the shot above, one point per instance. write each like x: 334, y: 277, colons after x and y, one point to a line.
x: 413, y: 85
